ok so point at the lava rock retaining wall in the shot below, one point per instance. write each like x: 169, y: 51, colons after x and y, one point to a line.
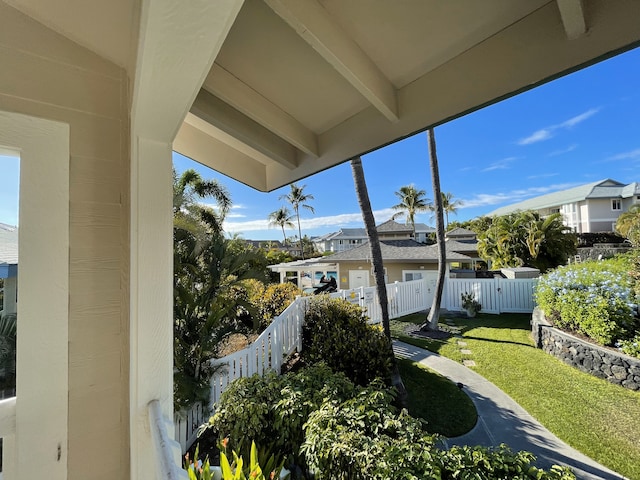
x: 600, y: 362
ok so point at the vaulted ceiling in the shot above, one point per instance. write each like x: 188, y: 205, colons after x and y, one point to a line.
x: 298, y: 86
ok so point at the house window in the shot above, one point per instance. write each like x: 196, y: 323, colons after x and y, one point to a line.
x: 410, y: 275
x: 616, y: 204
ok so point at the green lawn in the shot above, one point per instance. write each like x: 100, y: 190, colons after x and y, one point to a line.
x: 431, y: 397
x: 598, y: 418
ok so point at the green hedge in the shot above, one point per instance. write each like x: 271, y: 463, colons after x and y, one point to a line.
x: 336, y: 332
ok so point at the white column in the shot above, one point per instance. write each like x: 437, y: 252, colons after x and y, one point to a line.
x: 151, y: 368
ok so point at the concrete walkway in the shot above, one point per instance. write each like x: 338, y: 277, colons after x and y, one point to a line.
x: 502, y: 420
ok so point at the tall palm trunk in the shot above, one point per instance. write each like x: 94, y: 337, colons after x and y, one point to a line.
x: 300, y: 234
x: 284, y: 237
x: 378, y: 268
x: 434, y: 312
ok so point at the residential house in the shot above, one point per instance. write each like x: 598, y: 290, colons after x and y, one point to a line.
x: 464, y: 241
x: 95, y: 96
x: 348, y: 238
x: 339, y: 241
x: 8, y: 268
x: 593, y: 207
x: 404, y: 260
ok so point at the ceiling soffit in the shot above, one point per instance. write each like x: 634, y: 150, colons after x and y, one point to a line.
x: 304, y: 85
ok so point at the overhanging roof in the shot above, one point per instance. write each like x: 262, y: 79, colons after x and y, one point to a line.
x: 287, y: 88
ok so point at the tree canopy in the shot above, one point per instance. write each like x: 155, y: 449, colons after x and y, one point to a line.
x: 412, y: 201
x: 526, y: 239
x: 297, y: 198
x: 628, y: 224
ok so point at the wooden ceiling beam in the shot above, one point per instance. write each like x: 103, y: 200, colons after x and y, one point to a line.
x: 228, y: 125
x: 245, y: 99
x: 314, y: 24
x: 573, y: 18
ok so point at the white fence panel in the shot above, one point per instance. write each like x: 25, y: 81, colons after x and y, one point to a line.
x: 267, y: 352
x: 496, y: 295
x: 483, y: 290
x: 517, y: 295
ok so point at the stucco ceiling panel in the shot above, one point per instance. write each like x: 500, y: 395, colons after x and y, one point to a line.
x: 433, y: 31
x: 266, y: 54
x: 103, y: 27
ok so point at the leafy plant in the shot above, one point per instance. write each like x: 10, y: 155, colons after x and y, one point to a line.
x: 365, y: 438
x: 237, y: 471
x: 592, y: 298
x: 8, y: 329
x: 631, y: 346
x: 273, y: 409
x: 275, y: 299
x: 196, y: 469
x: 336, y: 332
x: 526, y: 238
x: 470, y: 303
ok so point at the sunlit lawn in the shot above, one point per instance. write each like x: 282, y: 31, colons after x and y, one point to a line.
x: 432, y: 397
x: 598, y: 418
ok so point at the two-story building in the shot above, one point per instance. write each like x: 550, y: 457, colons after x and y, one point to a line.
x: 593, y: 207
x: 348, y: 238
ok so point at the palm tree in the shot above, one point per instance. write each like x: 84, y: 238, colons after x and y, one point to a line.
x: 378, y: 267
x: 448, y: 206
x: 628, y: 224
x: 188, y: 190
x: 434, y: 312
x: 8, y: 324
x: 412, y: 201
x: 297, y: 198
x: 281, y: 218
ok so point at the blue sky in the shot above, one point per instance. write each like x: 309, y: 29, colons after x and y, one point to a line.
x: 578, y: 129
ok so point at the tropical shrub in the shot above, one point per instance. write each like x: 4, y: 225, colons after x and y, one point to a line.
x: 272, y: 409
x: 275, y: 299
x: 592, y: 298
x: 365, y: 438
x: 630, y: 347
x: 526, y: 239
x: 336, y: 332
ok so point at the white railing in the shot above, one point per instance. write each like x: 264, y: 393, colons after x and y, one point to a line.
x: 267, y: 352
x: 168, y: 451
x: 277, y: 342
x: 7, y: 433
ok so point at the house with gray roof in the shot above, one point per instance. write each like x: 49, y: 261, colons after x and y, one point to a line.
x: 348, y: 238
x: 593, y: 207
x: 404, y: 260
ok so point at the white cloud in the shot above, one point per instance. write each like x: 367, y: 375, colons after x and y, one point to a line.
x: 572, y: 122
x: 332, y: 222
x: 503, y: 164
x: 542, y: 175
x: 631, y: 155
x: 548, y: 132
x: 485, y: 199
x: 562, y: 151
x: 537, y: 136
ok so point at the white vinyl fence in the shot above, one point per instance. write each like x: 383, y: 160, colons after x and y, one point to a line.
x: 270, y: 349
x: 496, y: 295
x: 284, y: 335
